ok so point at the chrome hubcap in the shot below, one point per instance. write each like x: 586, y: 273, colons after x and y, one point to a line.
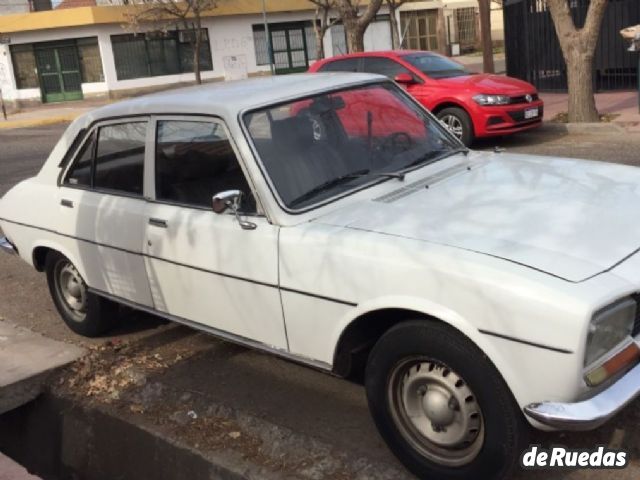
x: 72, y: 288
x: 453, y: 123
x: 436, y: 411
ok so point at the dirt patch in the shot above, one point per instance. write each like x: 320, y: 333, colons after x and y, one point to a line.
x: 125, y: 379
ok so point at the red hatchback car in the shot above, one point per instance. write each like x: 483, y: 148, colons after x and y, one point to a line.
x: 471, y: 105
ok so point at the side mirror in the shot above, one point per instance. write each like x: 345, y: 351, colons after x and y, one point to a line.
x: 404, y: 79
x: 230, y: 200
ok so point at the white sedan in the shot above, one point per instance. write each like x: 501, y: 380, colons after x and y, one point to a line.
x: 331, y: 220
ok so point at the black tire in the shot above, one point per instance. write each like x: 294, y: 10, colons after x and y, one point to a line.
x: 467, y: 135
x: 93, y: 315
x: 504, y: 429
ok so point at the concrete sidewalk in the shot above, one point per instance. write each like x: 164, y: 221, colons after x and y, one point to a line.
x: 474, y: 62
x: 623, y: 104
x: 10, y: 470
x: 50, y: 114
x: 27, y: 360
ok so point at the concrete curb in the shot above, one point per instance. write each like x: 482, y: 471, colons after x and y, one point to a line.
x: 27, y: 360
x: 584, y: 128
x: 39, y: 122
x: 90, y: 441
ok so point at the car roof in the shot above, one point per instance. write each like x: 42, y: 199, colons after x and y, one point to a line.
x: 227, y: 99
x: 379, y: 53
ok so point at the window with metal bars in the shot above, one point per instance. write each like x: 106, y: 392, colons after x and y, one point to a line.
x: 155, y: 54
x: 25, y: 68
x: 261, y: 47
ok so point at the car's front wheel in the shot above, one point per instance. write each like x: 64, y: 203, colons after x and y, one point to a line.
x: 441, y: 405
x: 85, y: 313
x: 459, y: 123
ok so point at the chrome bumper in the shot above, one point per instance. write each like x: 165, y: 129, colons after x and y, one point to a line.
x: 592, y: 413
x: 6, y: 246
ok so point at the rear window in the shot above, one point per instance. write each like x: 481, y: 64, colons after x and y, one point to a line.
x: 119, y: 163
x: 436, y: 66
x: 384, y: 66
x: 345, y: 65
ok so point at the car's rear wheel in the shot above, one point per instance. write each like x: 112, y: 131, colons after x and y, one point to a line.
x: 459, y: 123
x: 441, y: 405
x: 85, y: 313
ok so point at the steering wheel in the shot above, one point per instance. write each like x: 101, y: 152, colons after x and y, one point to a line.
x: 398, y: 142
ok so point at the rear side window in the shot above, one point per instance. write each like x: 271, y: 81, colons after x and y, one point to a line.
x: 346, y: 65
x: 112, y: 158
x: 119, y: 162
x: 194, y: 162
x: 383, y: 66
x: 80, y: 173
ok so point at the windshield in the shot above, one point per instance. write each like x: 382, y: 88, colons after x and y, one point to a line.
x: 331, y: 143
x: 436, y: 66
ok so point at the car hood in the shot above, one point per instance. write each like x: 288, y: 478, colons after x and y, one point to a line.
x: 487, y: 83
x: 569, y: 218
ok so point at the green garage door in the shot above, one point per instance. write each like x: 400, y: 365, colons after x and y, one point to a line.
x: 59, y: 72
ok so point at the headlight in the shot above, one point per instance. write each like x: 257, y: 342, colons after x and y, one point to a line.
x: 483, y: 99
x: 608, y: 328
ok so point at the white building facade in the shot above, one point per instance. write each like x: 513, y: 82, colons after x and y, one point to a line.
x: 93, y: 54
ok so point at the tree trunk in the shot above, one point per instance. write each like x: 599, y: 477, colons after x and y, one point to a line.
x: 356, y: 25
x: 578, y: 49
x: 395, y: 30
x: 355, y: 36
x: 582, y: 103
x: 319, y: 43
x: 196, y: 49
x: 485, y: 31
x: 320, y: 28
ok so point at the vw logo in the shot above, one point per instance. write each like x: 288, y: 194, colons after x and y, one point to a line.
x: 528, y: 98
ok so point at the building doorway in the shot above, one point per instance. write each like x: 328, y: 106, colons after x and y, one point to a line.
x: 59, y: 72
x: 289, y: 43
x: 420, y: 28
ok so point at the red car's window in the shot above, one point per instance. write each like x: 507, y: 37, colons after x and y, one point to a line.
x: 384, y: 114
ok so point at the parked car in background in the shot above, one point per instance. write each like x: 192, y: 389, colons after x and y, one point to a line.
x: 471, y: 105
x: 332, y: 220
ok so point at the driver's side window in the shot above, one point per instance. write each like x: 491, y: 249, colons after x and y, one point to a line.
x: 195, y: 161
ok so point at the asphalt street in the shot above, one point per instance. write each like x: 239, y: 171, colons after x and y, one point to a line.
x: 310, y: 403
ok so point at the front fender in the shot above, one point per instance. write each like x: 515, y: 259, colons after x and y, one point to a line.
x: 500, y: 352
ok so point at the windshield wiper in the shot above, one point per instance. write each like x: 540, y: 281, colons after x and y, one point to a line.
x: 434, y: 156
x: 334, y: 182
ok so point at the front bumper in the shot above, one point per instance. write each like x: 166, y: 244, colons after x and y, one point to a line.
x: 592, y: 413
x: 497, y: 120
x: 7, y: 247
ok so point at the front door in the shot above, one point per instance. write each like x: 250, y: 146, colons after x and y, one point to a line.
x: 289, y: 45
x: 202, y: 266
x: 59, y: 73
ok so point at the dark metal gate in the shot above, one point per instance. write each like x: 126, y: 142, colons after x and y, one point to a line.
x: 59, y: 72
x: 289, y: 44
x: 533, y: 52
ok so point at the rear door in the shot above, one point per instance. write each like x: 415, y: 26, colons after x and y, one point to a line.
x: 102, y: 208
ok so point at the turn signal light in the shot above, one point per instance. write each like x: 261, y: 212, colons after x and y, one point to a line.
x: 619, y: 361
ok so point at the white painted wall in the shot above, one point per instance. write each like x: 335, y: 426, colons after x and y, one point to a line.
x: 228, y: 36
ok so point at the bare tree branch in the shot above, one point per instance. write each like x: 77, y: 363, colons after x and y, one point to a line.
x: 322, y: 23
x: 354, y: 23
x: 163, y: 15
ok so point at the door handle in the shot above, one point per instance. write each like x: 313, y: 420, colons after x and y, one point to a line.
x: 66, y: 203
x: 158, y: 222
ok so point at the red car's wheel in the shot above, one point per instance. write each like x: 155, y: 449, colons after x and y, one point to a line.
x: 459, y: 123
